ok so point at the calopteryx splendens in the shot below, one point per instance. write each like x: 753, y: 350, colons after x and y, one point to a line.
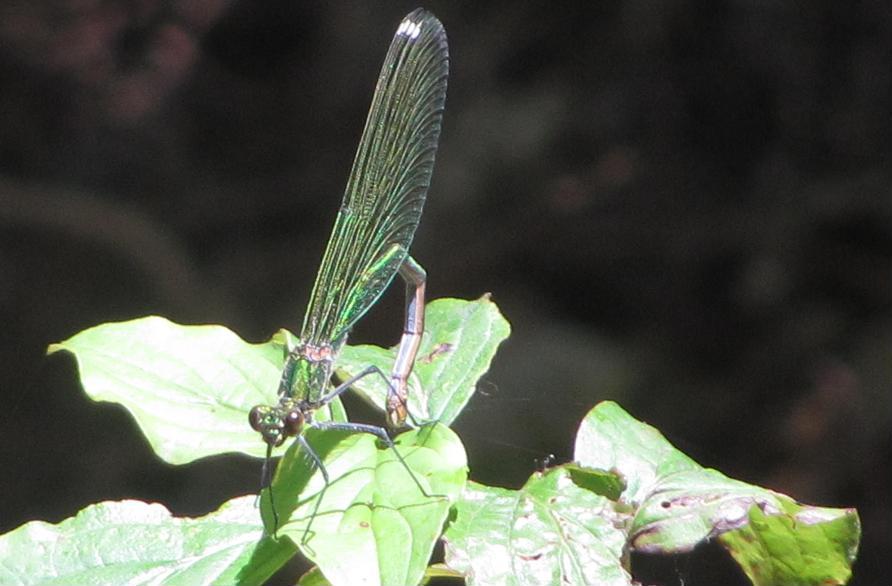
x: 369, y: 243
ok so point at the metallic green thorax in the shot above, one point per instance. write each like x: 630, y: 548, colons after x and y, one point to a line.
x: 304, y: 380
x: 306, y: 376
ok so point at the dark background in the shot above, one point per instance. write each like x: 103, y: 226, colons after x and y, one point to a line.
x: 681, y: 206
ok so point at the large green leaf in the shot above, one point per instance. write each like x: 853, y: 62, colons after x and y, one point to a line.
x: 374, y: 524
x: 136, y: 543
x: 460, y: 339
x: 675, y: 504
x: 188, y: 387
x: 552, y: 531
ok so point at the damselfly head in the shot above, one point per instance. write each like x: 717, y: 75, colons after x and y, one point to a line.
x: 276, y: 424
x: 263, y: 419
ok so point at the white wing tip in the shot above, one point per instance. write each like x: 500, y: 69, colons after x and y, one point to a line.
x: 409, y: 28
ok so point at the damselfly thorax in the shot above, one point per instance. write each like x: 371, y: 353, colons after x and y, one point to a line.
x: 305, y: 378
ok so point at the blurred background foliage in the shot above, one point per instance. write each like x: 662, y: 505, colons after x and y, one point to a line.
x: 682, y: 206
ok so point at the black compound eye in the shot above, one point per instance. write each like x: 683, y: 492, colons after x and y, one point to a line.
x: 255, y: 417
x: 293, y: 423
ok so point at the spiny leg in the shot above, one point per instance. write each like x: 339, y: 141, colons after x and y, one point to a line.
x: 266, y: 482
x: 397, y: 393
x: 318, y: 462
x: 370, y: 369
x: 381, y: 434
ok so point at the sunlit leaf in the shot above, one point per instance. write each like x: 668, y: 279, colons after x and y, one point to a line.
x: 549, y: 532
x: 372, y: 507
x: 675, y: 504
x: 188, y: 387
x: 136, y: 543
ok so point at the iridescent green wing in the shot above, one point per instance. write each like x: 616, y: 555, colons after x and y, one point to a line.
x: 388, y: 183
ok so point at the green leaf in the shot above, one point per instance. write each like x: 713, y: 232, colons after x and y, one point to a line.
x: 188, y: 387
x: 600, y: 482
x: 675, y: 504
x: 374, y: 525
x: 549, y: 532
x: 800, y: 546
x: 460, y: 340
x: 132, y: 542
x: 610, y: 439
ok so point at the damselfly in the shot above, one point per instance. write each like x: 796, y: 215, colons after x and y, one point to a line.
x: 369, y: 245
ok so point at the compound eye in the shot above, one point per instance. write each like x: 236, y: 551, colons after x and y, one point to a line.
x: 255, y: 417
x: 293, y: 423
